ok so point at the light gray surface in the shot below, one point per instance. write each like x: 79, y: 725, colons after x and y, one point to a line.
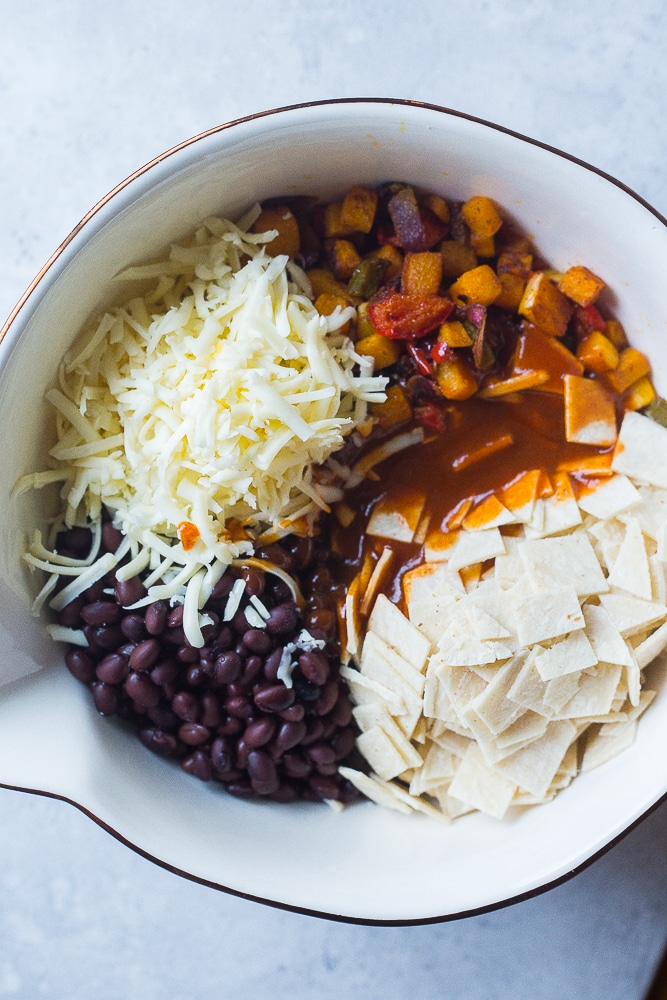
x: 89, y: 92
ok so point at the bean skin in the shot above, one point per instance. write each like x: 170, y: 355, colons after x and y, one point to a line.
x: 80, y: 664
x: 105, y: 697
x: 129, y: 591
x: 156, y: 617
x: 193, y: 734
x: 259, y: 731
x: 113, y: 668
x: 158, y: 741
x: 282, y: 619
x: 134, y: 628
x: 186, y: 706
x: 315, y: 667
x: 199, y: 765
x: 142, y: 690
x: 274, y: 697
x: 101, y: 613
x: 145, y: 655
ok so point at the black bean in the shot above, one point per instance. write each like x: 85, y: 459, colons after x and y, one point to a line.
x: 145, y: 655
x: 295, y: 765
x: 107, y: 637
x: 324, y: 787
x: 290, y: 735
x: 193, y: 734
x: 272, y: 663
x: 77, y: 539
x: 174, y: 636
x: 113, y: 669
x: 231, y: 725
x: 227, y: 667
x: 80, y: 664
x: 133, y: 627
x: 185, y: 705
x: 223, y: 587
x: 95, y: 592
x: 239, y: 706
x: 164, y: 672
x: 105, y: 697
x: 294, y: 713
x: 283, y: 618
x: 175, y: 619
x: 158, y: 741
x: 141, y: 690
x: 111, y: 537
x: 257, y: 641
x: 327, y: 699
x: 274, y: 697
x: 314, y: 666
x: 210, y: 711
x: 129, y: 591
x: 259, y: 731
x: 343, y: 742
x: 315, y: 732
x: 277, y: 555
x: 241, y: 788
x: 161, y: 715
x: 195, y: 676
x: 199, y: 765
x: 252, y: 669
x: 286, y: 792
x: 342, y: 710
x: 321, y: 753
x: 101, y: 613
x: 222, y: 754
x: 225, y: 638
x: 156, y: 617
x: 262, y: 770
x: 187, y: 654
x: 255, y: 581
x: 322, y: 619
x: 70, y: 616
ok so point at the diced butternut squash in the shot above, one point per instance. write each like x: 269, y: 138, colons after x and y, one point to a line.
x: 596, y: 353
x: 481, y: 216
x: 438, y: 206
x: 546, y: 307
x: 358, y: 209
x: 632, y: 365
x: 343, y: 257
x: 383, y: 350
x: 333, y: 223
x: 395, y: 409
x: 422, y: 273
x: 639, y: 395
x: 513, y: 287
x: 456, y: 258
x: 581, y: 285
x: 364, y: 326
x: 454, y: 334
x: 395, y: 258
x: 515, y: 261
x: 280, y: 218
x: 455, y: 379
x: 480, y: 285
x: 614, y: 331
x: 322, y: 281
x: 590, y: 415
x: 484, y: 246
x: 327, y: 303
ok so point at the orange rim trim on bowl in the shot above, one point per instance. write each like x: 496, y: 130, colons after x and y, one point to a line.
x: 401, y: 922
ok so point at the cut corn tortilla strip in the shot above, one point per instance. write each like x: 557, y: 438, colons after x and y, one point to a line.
x: 599, y: 749
x: 519, y: 496
x: 480, y: 786
x: 547, y: 614
x: 652, y: 647
x: 376, y: 656
x: 431, y: 580
x: 476, y: 547
x: 651, y: 512
x: 492, y: 704
x: 452, y: 808
x: 533, y: 767
x: 388, y: 622
x: 630, y: 570
x: 367, y: 716
x: 633, y: 713
x: 590, y: 415
x: 567, y: 560
x: 630, y: 614
x: 528, y: 689
x: 374, y: 790
x: 432, y: 615
x: 457, y: 647
x: 438, y: 766
x: 596, y: 692
x: 607, y: 642
x: 455, y: 743
x: 610, y: 497
x: 396, y: 519
x: 556, y: 513
x: 528, y: 726
x: 416, y: 803
x: 377, y: 580
x: 658, y: 571
x: 608, y: 537
x: 388, y: 756
x: 484, y: 625
x: 641, y: 450
x: 365, y: 691
x: 439, y: 544
x: 489, y: 513
x: 561, y: 690
x: 567, y: 656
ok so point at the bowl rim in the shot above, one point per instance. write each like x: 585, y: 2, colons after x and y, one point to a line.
x: 33, y: 286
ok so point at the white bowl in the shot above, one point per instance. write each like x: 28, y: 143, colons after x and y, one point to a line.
x: 366, y: 864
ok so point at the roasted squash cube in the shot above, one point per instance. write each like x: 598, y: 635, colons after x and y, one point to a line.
x: 422, y: 273
x: 513, y: 287
x: 322, y: 281
x: 632, y: 365
x: 327, y: 303
x: 455, y: 379
x: 515, y: 261
x: 333, y: 223
x: 481, y: 216
x: 457, y: 258
x: 358, y: 209
x: 639, y: 395
x: 596, y: 353
x: 343, y: 257
x: 395, y: 409
x: 614, y: 331
x: 280, y: 218
x: 581, y: 285
x: 544, y: 306
x: 383, y: 350
x: 454, y: 334
x: 484, y: 246
x: 480, y: 285
x: 438, y: 206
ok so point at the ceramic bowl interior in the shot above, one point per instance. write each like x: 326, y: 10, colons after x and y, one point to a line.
x: 366, y: 863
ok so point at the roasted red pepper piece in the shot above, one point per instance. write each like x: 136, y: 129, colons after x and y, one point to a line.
x: 420, y: 359
x: 431, y: 416
x: 408, y: 317
x: 587, y: 319
x: 441, y: 351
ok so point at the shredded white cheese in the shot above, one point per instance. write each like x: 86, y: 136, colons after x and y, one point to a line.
x: 210, y: 401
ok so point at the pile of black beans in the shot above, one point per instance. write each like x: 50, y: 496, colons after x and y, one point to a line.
x: 220, y: 711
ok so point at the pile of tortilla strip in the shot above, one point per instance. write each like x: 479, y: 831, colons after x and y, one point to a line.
x: 521, y: 660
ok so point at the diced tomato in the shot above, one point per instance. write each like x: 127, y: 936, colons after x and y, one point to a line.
x: 420, y: 359
x: 408, y: 317
x: 431, y: 416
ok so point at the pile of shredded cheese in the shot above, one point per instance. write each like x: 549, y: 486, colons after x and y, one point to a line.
x: 208, y: 403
